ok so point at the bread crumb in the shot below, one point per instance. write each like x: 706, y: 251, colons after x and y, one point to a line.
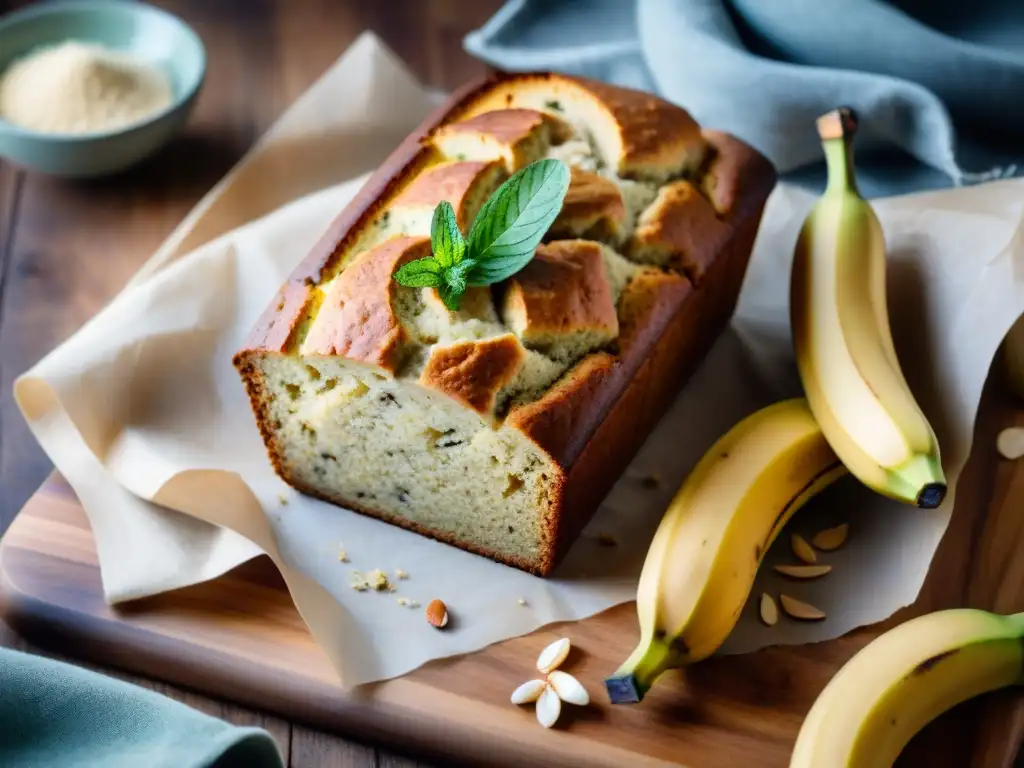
x: 403, y: 601
x: 342, y: 554
x: 606, y: 540
x: 283, y: 499
x: 378, y: 580
x: 521, y: 601
x: 358, y: 582
x: 414, y: 604
x: 401, y: 574
x: 651, y: 480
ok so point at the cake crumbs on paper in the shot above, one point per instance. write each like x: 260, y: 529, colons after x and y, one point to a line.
x: 607, y: 540
x: 342, y: 554
x: 358, y: 582
x: 283, y: 499
x: 521, y: 601
x: 401, y: 574
x: 403, y: 601
x: 378, y: 580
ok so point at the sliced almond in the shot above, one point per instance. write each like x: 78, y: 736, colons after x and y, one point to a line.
x: 569, y: 689
x: 802, y: 549
x: 437, y: 614
x: 528, y: 692
x: 803, y: 571
x: 549, y: 707
x: 831, y: 538
x: 800, y: 610
x: 552, y: 656
x: 769, y: 611
x: 1010, y: 443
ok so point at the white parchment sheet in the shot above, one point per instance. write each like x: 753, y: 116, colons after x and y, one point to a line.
x: 142, y: 405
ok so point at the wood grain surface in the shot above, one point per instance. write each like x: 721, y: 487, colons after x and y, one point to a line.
x: 722, y: 713
x: 68, y: 248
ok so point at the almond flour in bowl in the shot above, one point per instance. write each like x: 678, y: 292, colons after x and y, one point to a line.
x: 78, y: 88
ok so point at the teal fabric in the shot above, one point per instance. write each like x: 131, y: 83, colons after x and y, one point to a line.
x: 55, y: 715
x: 938, y: 84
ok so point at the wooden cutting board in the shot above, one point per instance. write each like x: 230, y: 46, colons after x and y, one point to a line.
x: 239, y: 638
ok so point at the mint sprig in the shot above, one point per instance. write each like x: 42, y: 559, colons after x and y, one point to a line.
x: 501, y: 240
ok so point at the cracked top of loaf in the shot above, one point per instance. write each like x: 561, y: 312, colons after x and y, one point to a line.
x: 651, y: 204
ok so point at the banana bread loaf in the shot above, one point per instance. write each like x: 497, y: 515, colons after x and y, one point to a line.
x: 500, y: 427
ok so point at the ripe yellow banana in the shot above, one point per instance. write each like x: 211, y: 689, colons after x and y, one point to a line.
x: 844, y: 348
x: 903, y: 679
x: 701, y: 564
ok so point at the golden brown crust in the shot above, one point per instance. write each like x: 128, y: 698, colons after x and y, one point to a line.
x: 474, y: 372
x: 595, y: 418
x: 505, y: 126
x: 681, y: 230
x: 558, y: 422
x: 564, y: 418
x: 733, y: 169
x: 561, y: 291
x: 657, y: 137
x: 357, y: 319
x: 593, y: 206
x: 520, y: 136
x: 463, y: 184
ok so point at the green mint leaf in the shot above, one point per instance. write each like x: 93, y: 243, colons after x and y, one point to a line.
x: 451, y: 298
x: 455, y: 276
x: 446, y: 239
x: 421, y: 273
x: 514, y: 220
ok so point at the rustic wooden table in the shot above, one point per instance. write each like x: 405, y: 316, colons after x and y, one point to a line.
x: 66, y: 249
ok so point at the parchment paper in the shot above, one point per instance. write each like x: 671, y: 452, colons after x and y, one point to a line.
x: 142, y: 406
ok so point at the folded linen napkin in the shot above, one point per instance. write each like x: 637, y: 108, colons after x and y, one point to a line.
x: 937, y: 83
x: 55, y: 715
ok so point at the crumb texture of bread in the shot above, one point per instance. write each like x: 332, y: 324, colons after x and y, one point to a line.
x: 470, y: 425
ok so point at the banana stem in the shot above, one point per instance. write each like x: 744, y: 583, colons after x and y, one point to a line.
x: 837, y: 129
x: 636, y: 676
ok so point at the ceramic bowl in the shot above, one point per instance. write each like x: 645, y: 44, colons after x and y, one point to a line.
x: 148, y: 33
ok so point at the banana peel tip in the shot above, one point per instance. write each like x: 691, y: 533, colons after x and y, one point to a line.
x: 624, y: 689
x: 931, y: 495
x: 837, y: 124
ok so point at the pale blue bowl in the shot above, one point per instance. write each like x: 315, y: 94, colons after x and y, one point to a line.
x: 148, y: 33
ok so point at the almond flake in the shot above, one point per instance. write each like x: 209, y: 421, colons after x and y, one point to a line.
x: 568, y: 688
x: 552, y: 656
x: 437, y: 614
x: 803, y: 571
x: 528, y: 692
x: 802, y: 549
x: 1010, y: 443
x: 769, y: 611
x: 831, y: 538
x: 800, y: 610
x: 549, y: 707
